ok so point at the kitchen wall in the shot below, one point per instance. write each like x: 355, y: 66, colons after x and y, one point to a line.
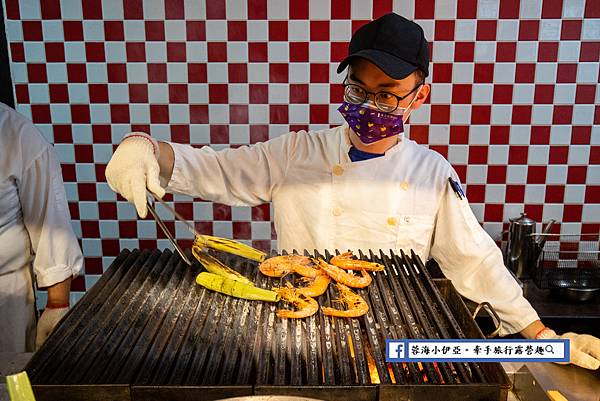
x: 514, y: 103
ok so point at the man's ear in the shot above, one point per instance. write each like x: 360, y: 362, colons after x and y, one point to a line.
x: 421, y: 96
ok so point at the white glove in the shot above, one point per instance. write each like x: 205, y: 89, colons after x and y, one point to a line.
x: 50, y: 317
x: 133, y: 168
x: 585, y: 349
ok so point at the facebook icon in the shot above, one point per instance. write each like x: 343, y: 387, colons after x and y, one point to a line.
x: 395, y: 350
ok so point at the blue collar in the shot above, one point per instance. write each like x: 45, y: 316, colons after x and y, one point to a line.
x: 357, y: 155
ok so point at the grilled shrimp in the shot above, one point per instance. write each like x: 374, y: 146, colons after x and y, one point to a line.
x: 356, y: 305
x: 317, y: 286
x: 279, y: 266
x: 346, y: 278
x: 346, y: 261
x: 307, y: 306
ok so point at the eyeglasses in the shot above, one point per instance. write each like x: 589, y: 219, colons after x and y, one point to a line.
x: 385, y: 101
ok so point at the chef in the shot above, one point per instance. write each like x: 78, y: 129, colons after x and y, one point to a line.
x: 35, y: 235
x: 361, y: 185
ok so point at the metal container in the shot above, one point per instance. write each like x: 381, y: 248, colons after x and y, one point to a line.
x: 524, y: 247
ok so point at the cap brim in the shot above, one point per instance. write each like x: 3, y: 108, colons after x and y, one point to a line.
x: 393, y: 66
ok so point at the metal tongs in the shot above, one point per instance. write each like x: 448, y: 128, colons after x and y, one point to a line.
x: 203, y: 241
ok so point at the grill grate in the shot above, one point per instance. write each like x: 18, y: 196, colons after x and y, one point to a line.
x: 146, y: 323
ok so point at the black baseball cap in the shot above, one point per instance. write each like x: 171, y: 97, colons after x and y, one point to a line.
x: 395, y: 44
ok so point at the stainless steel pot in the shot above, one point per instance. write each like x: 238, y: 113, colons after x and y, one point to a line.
x: 524, y: 246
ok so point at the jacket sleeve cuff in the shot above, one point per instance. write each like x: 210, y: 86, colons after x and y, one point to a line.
x: 520, y: 324
x: 178, y: 181
x: 54, y: 275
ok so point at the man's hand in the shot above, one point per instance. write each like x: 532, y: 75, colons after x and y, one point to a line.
x: 48, y: 320
x: 133, y: 168
x: 585, y: 349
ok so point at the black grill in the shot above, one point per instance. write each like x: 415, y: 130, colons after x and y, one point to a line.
x: 147, y: 331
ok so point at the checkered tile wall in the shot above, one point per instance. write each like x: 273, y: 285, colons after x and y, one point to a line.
x: 514, y: 104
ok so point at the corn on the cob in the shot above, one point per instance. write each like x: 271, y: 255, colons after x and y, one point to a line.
x: 229, y: 246
x: 19, y: 387
x: 234, y: 288
x: 215, y: 266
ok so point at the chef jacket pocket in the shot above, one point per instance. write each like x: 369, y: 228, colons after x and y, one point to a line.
x: 415, y: 232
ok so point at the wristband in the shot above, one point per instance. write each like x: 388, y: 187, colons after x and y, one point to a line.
x: 153, y: 141
x: 57, y: 306
x: 539, y: 333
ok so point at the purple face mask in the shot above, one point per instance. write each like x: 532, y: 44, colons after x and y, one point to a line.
x: 369, y: 124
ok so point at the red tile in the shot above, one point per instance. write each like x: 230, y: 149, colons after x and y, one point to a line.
x: 119, y: 113
x: 73, y: 30
x: 566, y: 73
x: 506, y: 51
x: 459, y: 134
x: 461, y: 93
x: 101, y: 133
x: 215, y: 9
x: 515, y: 194
x: 259, y: 93
x: 176, y: 52
x: 424, y: 9
x: 493, y: 212
x: 92, y: 9
x: 159, y: 113
x: 486, y: 30
x: 178, y: 93
x: 478, y: 154
x: 78, y: 284
x: 117, y: 73
x: 544, y: 94
x: 238, y: 73
x: 94, y: 52
x: 221, y: 212
x: 298, y: 93
x: 40, y: 114
x: 562, y: 115
x: 93, y: 265
x: 441, y: 149
x: 278, y: 31
x: 298, y: 127
x: 180, y: 133
x: 155, y: 31
x: 466, y: 9
x: 114, y: 31
x: 298, y: 52
x: 242, y: 230
x: 442, y: 73
x: 536, y: 174
x: 59, y: 93
x: 529, y: 29
x: 157, y: 72
x: 581, y: 135
x: 570, y: 29
x: 502, y: 94
x: 338, y: 51
x: 278, y: 114
x: 99, y: 170
x: 278, y: 72
x: 585, y: 94
x: 185, y: 209
x: 219, y: 134
x: 76, y: 73
x: 525, y: 73
x: 195, y: 30
x: 464, y: 51
x: 80, y: 114
x: 521, y: 114
x: 259, y: 133
x: 98, y: 93
x: 199, y: 114
x: 263, y: 245
x: 577, y: 174
x: 218, y: 93
x: 558, y: 155
x: 132, y: 9
x: 257, y: 52
x: 138, y: 93
x: 480, y: 114
x: 257, y: 9
x: 261, y: 213
x: 90, y: 229
x: 174, y: 9
x: 517, y: 154
x: 298, y: 9
x: 22, y: 93
x: 444, y: 30
x: 555, y: 194
x: 552, y: 9
x: 107, y: 210
x: 319, y: 113
x: 572, y: 213
x: 68, y: 172
x: 440, y: 114
x: 50, y: 9
x: 381, y: 8
x: 509, y: 9
x: 548, y: 51
x: 238, y: 114
x: 419, y: 133
x: 592, y: 194
x: 592, y: 9
x: 589, y: 51
x: 36, y: 73
x: 196, y: 72
x: 17, y: 52
x: 237, y: 31
x: 476, y: 193
x: 483, y: 73
x: 319, y: 30
x: 340, y: 9
x: 319, y: 73
x: 32, y: 31
x: 336, y: 93
x: 535, y: 212
x: 86, y: 191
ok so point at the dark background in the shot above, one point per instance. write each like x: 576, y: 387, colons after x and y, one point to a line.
x: 6, y: 92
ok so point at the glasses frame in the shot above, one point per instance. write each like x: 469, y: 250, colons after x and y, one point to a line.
x: 367, y: 93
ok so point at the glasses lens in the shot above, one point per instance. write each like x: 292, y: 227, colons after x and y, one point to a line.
x: 354, y: 94
x: 386, y: 102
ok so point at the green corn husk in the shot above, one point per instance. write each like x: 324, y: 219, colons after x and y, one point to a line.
x: 234, y: 288
x: 19, y: 387
x: 230, y: 246
x: 215, y: 266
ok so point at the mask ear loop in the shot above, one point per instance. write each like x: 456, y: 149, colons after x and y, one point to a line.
x: 410, y: 104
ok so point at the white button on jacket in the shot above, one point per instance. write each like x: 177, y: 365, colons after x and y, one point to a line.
x: 297, y: 172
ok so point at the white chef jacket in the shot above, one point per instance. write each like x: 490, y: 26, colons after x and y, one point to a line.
x: 35, y: 225
x: 323, y: 200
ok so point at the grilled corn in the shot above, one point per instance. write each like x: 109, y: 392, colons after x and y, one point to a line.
x: 215, y: 266
x: 229, y: 246
x: 234, y: 288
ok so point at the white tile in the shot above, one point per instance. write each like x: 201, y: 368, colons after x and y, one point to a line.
x: 583, y: 114
x: 14, y: 30
x: 179, y: 114
x: 75, y: 52
x: 134, y: 30
x: 112, y: 10
x: 575, y: 193
x: 476, y: 174
x: 556, y: 174
x: 71, y: 191
x: 175, y: 30
x: 239, y: 134
x: 137, y: 73
x: 237, y: 52
x: 341, y: 30
x: 458, y: 154
x: 277, y: 10
x: 19, y: 73
x: 462, y: 73
x: 595, y: 139
x: 549, y: 30
x: 421, y: 115
x: 238, y: 93
x: 465, y: 30
x: 82, y: 134
x: 516, y: 174
x: 479, y: 135
x: 102, y: 154
x: 203, y: 211
x: 545, y: 73
x: 47, y: 131
x: 318, y: 10
x: 139, y: 113
x: 481, y: 93
x: 146, y: 229
x: 519, y: 135
x: 590, y: 29
x: 335, y: 118
x: 504, y: 73
x: 258, y: 73
x: 495, y: 193
x: 258, y: 113
x: 218, y: 113
x: 199, y: 134
x: 194, y: 10
x: 439, y: 134
x: 198, y: 94
x: 158, y: 93
x: 590, y: 212
x: 223, y: 229
x: 217, y: 73
x: 216, y: 30
x: 60, y: 113
x: 587, y: 73
x: 460, y: 113
x: 318, y: 93
x: 579, y: 155
x: 560, y: 135
x: 441, y: 94
x: 527, y: 52
x: 156, y: 52
x: 85, y: 172
x: 487, y: 9
x: 236, y: 10
x: 93, y: 31
x: 568, y: 51
x: 298, y: 31
x: 443, y: 52
x: 69, y: 10
x: 512, y: 210
x: 261, y: 229
x: 498, y: 154
x: 564, y: 94
x: 279, y: 52
x: 501, y: 114
x: 593, y: 175
x: 279, y: 94
x: 182, y: 232
x: 535, y: 193
x: 538, y: 155
x: 91, y: 246
x: 428, y: 28
x: 241, y: 213
x: 35, y: 52
x: 78, y: 93
x: 100, y: 113
x: 573, y: 8
x: 299, y: 73
x: 299, y: 113
x: 96, y: 73
x: 507, y: 30
x: 277, y: 130
x: 52, y: 31
x: 88, y: 210
x: 523, y: 93
x: 318, y: 52
x: 153, y: 9
x: 38, y: 93
x: 195, y: 52
x: 485, y: 51
x: 406, y: 8
x: 445, y: 9
x: 552, y: 211
x: 361, y: 10
x: 118, y: 93
x: 115, y: 52
x: 258, y: 31
x: 541, y: 114
x: 177, y: 72
x: 530, y: 9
